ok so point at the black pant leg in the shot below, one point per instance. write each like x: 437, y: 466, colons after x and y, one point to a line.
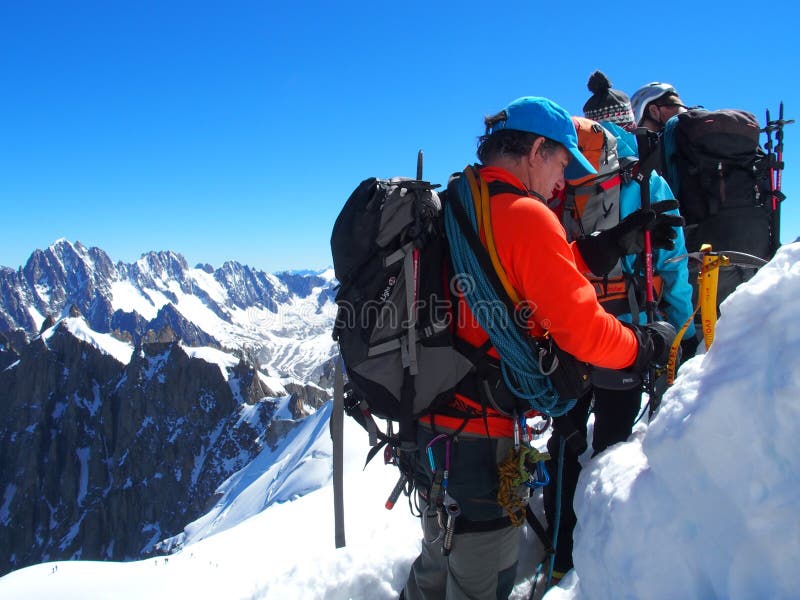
x: 615, y: 411
x: 571, y: 469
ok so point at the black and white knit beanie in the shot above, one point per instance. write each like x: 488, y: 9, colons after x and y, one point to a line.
x: 606, y: 104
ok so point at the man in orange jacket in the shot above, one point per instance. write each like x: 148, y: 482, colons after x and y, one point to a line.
x: 524, y: 154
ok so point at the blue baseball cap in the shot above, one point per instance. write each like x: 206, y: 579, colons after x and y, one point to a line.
x: 541, y: 116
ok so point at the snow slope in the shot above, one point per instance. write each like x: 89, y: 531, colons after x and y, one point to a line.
x: 704, y: 503
x: 299, y: 465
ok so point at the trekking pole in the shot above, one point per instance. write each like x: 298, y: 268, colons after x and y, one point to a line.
x: 779, y: 147
x: 770, y: 162
x: 337, y: 433
x: 419, y: 165
x: 775, y: 215
x: 775, y: 161
x: 647, y: 163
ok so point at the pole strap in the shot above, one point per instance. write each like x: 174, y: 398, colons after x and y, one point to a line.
x: 672, y: 363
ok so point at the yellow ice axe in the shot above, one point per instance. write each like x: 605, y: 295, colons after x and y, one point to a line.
x: 707, y: 281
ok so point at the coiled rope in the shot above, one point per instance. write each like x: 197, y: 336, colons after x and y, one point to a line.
x: 512, y: 473
x: 518, y: 362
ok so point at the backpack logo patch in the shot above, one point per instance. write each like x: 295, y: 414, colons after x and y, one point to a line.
x: 384, y: 296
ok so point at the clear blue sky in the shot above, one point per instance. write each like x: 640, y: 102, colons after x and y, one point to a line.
x: 236, y: 130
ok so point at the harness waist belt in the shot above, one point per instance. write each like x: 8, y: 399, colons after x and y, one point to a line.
x: 466, y: 526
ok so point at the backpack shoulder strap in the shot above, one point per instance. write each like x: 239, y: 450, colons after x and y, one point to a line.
x: 668, y: 150
x: 650, y: 158
x: 503, y: 187
x: 627, y: 166
x: 482, y: 197
x: 481, y: 253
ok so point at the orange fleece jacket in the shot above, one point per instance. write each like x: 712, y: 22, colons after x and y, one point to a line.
x: 546, y: 271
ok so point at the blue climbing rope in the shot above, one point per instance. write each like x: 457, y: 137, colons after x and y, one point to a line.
x: 518, y: 363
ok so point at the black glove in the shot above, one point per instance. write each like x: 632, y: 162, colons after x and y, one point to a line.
x: 654, y: 340
x: 662, y: 231
x: 602, y: 249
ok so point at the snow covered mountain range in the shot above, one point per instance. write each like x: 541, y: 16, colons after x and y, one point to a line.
x: 130, y: 393
x: 283, y: 320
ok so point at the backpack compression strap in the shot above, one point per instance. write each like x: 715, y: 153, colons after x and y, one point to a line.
x: 595, y: 185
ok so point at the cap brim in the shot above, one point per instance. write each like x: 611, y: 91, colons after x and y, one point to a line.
x: 578, y: 167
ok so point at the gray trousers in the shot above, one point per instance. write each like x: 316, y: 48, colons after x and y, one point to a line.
x: 481, y: 566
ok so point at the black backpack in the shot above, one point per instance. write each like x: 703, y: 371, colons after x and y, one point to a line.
x: 395, y: 322
x: 720, y: 175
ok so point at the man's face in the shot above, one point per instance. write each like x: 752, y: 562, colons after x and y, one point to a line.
x: 548, y: 171
x: 661, y: 112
